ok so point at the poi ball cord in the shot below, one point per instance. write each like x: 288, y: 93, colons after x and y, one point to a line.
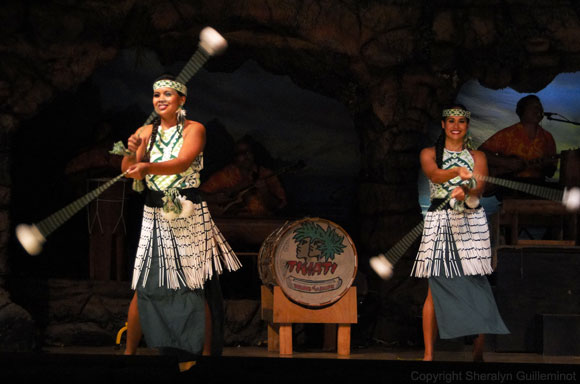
x: 33, y: 236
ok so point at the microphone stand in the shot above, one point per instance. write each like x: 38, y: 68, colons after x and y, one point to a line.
x: 565, y: 121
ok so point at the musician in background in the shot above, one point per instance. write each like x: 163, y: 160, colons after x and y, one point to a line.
x: 524, y: 151
x: 245, y: 187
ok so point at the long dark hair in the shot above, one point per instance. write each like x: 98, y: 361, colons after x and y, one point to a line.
x: 440, y: 142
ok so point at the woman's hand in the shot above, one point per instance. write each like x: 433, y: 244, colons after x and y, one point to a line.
x: 458, y: 193
x: 464, y: 173
x: 137, y: 171
x: 134, y: 142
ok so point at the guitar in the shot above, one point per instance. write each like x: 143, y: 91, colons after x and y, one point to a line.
x: 507, y: 167
x: 236, y: 200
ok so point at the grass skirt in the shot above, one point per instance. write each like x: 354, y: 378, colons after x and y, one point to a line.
x: 189, y: 249
x: 454, y: 244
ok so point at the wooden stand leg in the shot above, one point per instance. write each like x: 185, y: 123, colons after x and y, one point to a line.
x: 280, y: 313
x: 329, y: 339
x: 343, y: 343
x: 285, y: 339
x: 273, y: 337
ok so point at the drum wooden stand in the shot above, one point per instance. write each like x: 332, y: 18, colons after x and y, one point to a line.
x: 280, y: 313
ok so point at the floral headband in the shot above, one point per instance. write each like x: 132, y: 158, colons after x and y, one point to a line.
x: 179, y: 87
x: 456, y: 112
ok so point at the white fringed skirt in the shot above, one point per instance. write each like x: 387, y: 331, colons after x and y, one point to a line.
x: 190, y: 249
x: 454, y: 244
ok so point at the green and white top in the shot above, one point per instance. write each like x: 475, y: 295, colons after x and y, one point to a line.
x: 168, y: 143
x: 451, y: 159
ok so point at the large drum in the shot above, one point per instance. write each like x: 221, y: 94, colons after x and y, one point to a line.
x: 570, y: 168
x: 313, y: 261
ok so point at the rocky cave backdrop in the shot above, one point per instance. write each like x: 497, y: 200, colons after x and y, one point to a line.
x: 392, y: 64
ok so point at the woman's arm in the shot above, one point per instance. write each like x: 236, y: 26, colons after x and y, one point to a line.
x: 436, y: 174
x: 137, y: 143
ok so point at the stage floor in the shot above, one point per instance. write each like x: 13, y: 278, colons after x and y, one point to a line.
x: 256, y: 365
x: 370, y: 353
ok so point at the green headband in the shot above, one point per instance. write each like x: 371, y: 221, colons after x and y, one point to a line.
x: 170, y: 84
x: 456, y: 112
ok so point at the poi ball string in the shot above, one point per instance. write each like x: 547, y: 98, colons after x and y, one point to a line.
x: 32, y: 237
x: 383, y: 264
x: 536, y: 190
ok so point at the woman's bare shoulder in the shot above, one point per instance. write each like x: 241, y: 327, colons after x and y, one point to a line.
x: 144, y: 131
x: 428, y: 151
x: 193, y: 125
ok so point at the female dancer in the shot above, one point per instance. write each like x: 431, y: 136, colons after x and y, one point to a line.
x: 455, y: 251
x: 180, y: 249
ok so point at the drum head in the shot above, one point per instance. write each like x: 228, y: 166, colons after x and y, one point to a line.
x: 315, y: 262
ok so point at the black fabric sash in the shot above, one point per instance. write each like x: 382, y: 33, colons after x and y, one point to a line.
x: 154, y: 199
x: 435, y: 203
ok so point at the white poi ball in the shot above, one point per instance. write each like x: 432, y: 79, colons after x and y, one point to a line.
x: 571, y: 198
x: 452, y: 202
x: 30, y: 238
x: 381, y: 266
x: 187, y: 207
x: 472, y: 201
x: 211, y: 41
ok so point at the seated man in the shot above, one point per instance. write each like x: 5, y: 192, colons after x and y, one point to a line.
x: 244, y: 188
x: 524, y: 151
